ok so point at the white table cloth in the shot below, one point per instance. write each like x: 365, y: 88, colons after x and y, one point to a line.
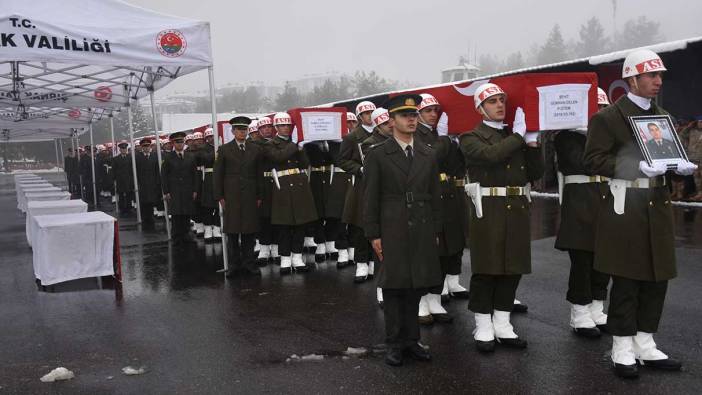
x: 43, y: 196
x: 22, y: 188
x: 50, y: 207
x: 72, y: 246
x: 25, y: 176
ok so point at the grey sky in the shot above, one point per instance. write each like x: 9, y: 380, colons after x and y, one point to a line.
x: 409, y: 40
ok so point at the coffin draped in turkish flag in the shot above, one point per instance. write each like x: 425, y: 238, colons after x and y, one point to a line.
x: 559, y: 96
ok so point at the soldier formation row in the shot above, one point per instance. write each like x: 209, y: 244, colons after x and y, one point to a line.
x: 398, y: 200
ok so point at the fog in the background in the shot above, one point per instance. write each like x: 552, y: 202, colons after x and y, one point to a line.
x: 408, y: 40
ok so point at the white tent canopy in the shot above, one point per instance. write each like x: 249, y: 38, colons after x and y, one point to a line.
x: 61, y: 60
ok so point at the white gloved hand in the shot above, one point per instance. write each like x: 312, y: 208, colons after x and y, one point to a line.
x: 442, y: 126
x: 519, y: 125
x: 652, y: 171
x: 531, y: 137
x: 686, y: 168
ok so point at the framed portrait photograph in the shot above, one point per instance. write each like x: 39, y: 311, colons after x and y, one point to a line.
x: 658, y: 140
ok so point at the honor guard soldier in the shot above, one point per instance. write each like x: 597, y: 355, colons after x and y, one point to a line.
x: 193, y: 146
x: 292, y: 202
x: 237, y: 186
x: 124, y: 178
x: 635, y: 241
x: 580, y: 194
x: 208, y: 204
x: 451, y: 239
x: 428, y: 118
x: 501, y: 163
x: 337, y: 239
x: 351, y: 161
x: 321, y: 166
x: 402, y: 201
x: 254, y: 136
x: 268, y: 242
x: 381, y: 132
x: 351, y: 121
x: 180, y: 186
x: 149, y: 182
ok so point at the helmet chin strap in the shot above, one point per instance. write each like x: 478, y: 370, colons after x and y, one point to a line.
x: 484, y: 114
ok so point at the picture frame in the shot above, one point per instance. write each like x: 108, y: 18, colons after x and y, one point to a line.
x: 658, y: 140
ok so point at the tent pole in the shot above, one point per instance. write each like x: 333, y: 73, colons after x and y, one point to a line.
x: 92, y: 166
x: 215, y: 132
x: 134, y: 169
x: 58, y: 165
x: 158, y: 154
x: 114, y: 153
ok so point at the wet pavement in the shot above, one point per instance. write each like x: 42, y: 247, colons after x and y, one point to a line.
x: 196, y: 332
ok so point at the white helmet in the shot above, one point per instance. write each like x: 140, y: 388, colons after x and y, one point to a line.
x: 209, y: 132
x: 282, y: 118
x: 380, y: 115
x: 100, y: 147
x: 427, y: 101
x: 485, y: 91
x: 351, y: 117
x: 640, y: 62
x: 197, y: 136
x: 253, y: 126
x: 364, y: 106
x: 263, y: 122
x: 602, y: 98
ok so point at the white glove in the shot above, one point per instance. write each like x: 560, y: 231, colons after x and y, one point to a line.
x: 652, y: 171
x: 531, y: 137
x: 686, y: 168
x: 442, y: 126
x: 519, y: 125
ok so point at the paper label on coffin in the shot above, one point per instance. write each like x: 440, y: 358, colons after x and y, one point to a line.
x: 319, y: 126
x: 563, y: 106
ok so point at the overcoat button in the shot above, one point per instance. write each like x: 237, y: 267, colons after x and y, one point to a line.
x: 509, y: 207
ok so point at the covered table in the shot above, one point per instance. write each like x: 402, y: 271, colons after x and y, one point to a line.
x: 73, y: 246
x: 25, y: 176
x: 50, y: 207
x: 22, y: 202
x: 21, y: 189
x: 43, y: 196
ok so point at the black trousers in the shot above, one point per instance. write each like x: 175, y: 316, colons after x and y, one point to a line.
x: 290, y: 239
x: 585, y: 284
x: 181, y: 227
x: 266, y: 236
x: 451, y: 264
x: 400, y: 309
x: 315, y: 229
x: 197, y: 210
x: 241, y: 250
x: 492, y: 292
x: 635, y: 306
x: 363, y: 252
x: 147, y: 213
x: 210, y: 215
x: 124, y: 201
x: 336, y: 231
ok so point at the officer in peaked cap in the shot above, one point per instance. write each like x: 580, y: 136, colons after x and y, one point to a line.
x: 401, y: 181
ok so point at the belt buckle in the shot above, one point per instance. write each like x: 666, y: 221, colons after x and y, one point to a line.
x: 409, y: 197
x: 512, y: 191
